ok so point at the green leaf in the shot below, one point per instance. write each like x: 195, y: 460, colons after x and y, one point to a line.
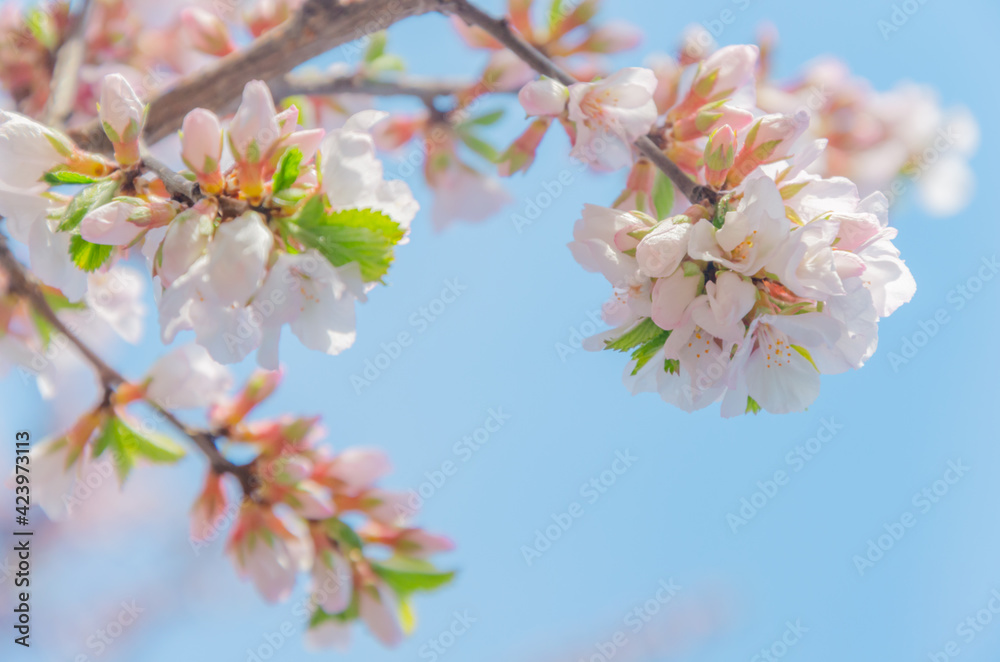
x: 485, y: 119
x: 92, y: 197
x: 376, y: 46
x: 639, y: 334
x: 343, y: 533
x: 752, y: 406
x: 287, y: 171
x: 126, y: 445
x: 720, y: 211
x: 88, y: 256
x: 663, y: 195
x: 42, y: 27
x: 645, y: 352
x: 66, y: 177
x: 364, y: 236
x: 479, y: 146
x: 406, y: 576
x: 671, y: 366
x: 387, y: 62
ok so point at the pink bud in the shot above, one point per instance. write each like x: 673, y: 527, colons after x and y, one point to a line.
x: 709, y: 118
x: 545, y: 96
x: 379, y: 609
x: 724, y: 71
x: 113, y: 224
x: 252, y: 133
x: 720, y: 154
x: 122, y: 116
x: 769, y: 140
x: 521, y: 154
x: 201, y: 148
x: 207, y: 32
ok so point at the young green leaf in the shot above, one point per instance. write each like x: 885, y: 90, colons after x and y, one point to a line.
x: 287, y: 171
x: 88, y: 256
x: 663, y: 195
x: 406, y: 576
x: 479, y: 146
x: 92, y: 197
x: 66, y: 177
x: 639, y: 334
x: 645, y: 352
x: 364, y: 236
x: 486, y: 119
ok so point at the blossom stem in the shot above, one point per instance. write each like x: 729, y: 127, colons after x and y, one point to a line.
x: 21, y: 284
x: 186, y: 190
x: 500, y: 30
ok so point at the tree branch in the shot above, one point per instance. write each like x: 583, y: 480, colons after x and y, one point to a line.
x: 185, y: 190
x: 65, y: 74
x: 413, y: 86
x: 22, y: 285
x: 500, y: 30
x: 317, y: 27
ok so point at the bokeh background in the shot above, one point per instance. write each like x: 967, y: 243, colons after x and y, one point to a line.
x: 506, y: 343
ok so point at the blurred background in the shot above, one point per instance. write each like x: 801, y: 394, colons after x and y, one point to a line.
x: 794, y: 570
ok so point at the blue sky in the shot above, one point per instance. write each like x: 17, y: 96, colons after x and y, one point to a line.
x: 892, y: 430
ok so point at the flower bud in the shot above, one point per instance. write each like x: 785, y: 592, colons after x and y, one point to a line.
x: 122, y: 116
x: 201, y: 148
x: 207, y: 32
x: 709, y: 118
x: 724, y: 71
x: 521, y: 154
x: 252, y: 133
x: 720, y: 154
x: 769, y: 140
x: 116, y: 223
x: 545, y: 96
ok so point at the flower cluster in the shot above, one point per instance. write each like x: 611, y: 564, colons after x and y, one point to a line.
x: 309, y: 510
x: 316, y: 512
x: 274, y: 238
x: 744, y: 300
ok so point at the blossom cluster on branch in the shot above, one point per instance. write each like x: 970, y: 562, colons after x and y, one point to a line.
x: 745, y: 301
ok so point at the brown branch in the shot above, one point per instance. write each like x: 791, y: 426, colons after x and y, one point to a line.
x: 500, y: 30
x: 20, y: 284
x: 66, y: 73
x: 412, y: 86
x: 317, y: 27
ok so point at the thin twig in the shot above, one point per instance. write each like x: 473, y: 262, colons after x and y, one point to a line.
x: 500, y: 30
x: 66, y: 73
x: 186, y: 190
x: 22, y: 285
